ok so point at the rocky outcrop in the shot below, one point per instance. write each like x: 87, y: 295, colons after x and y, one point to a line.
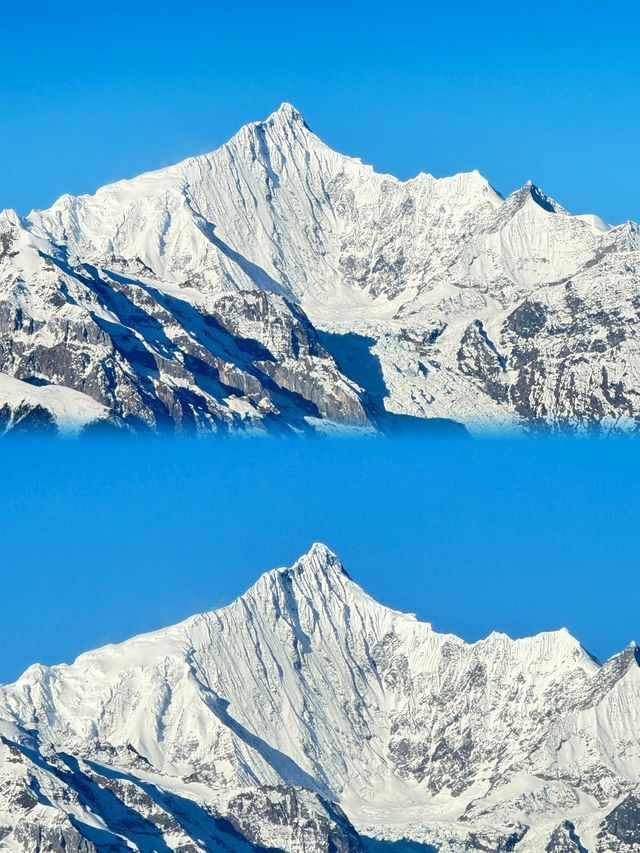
x: 154, y: 361
x: 292, y: 819
x: 620, y: 830
x: 564, y: 839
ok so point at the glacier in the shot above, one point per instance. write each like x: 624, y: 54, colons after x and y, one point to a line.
x: 275, y: 285
x: 306, y: 716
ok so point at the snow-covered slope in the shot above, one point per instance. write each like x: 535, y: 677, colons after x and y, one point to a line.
x: 304, y: 702
x: 45, y: 408
x: 429, y: 298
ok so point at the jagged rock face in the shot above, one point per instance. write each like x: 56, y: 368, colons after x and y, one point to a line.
x: 54, y: 802
x: 564, y: 840
x: 190, y: 298
x: 28, y: 418
x: 620, y: 831
x: 290, y: 818
x: 152, y: 360
x: 500, y: 842
x: 305, y: 702
x: 572, y: 351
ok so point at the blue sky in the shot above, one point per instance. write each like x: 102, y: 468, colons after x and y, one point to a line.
x: 101, y: 540
x: 549, y: 91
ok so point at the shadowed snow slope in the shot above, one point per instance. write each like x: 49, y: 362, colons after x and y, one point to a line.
x: 306, y: 696
x: 190, y: 298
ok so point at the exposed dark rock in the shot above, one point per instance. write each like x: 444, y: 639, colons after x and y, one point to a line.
x: 620, y: 832
x: 306, y: 820
x: 528, y: 319
x: 478, y: 357
x: 564, y: 839
x: 496, y: 842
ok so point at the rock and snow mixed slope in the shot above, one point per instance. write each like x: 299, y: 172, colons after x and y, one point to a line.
x: 277, y: 284
x: 308, y: 717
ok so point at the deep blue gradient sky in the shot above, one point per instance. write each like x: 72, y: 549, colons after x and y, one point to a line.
x: 101, y: 540
x: 549, y: 91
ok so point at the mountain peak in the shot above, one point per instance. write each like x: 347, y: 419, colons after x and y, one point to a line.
x: 542, y: 200
x: 292, y: 688
x: 286, y: 114
x: 275, y: 210
x: 633, y: 652
x: 287, y: 110
x: 9, y: 218
x: 320, y: 560
x: 317, y: 574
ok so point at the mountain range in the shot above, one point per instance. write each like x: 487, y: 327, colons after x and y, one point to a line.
x: 306, y: 717
x: 275, y: 285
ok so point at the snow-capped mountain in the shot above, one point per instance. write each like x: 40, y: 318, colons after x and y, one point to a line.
x: 277, y: 284
x: 305, y: 716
